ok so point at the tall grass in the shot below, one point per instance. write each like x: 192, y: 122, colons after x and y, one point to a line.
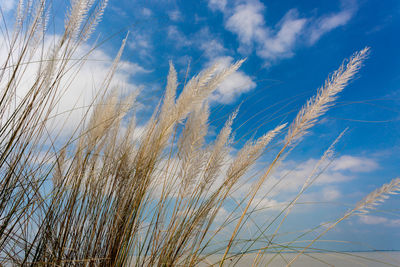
x: 111, y: 194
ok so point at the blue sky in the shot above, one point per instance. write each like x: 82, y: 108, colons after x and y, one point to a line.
x: 291, y: 46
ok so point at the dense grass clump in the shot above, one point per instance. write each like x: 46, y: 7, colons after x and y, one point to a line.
x: 112, y: 194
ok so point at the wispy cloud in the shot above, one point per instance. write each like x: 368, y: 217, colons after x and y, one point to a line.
x: 377, y: 220
x: 212, y: 46
x: 141, y: 42
x: 217, y: 4
x: 177, y: 36
x: 330, y: 193
x: 289, y: 178
x: 132, y: 68
x: 329, y: 22
x: 175, y: 15
x: 146, y: 12
x: 273, y: 42
x: 354, y: 164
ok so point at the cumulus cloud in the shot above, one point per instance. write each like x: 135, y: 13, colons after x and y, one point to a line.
x: 232, y: 87
x: 247, y: 22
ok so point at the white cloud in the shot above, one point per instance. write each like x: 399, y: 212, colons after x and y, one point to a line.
x: 337, y: 172
x: 175, y: 15
x: 212, y: 48
x: 217, y: 4
x: 294, y: 175
x: 325, y: 193
x: 370, y: 219
x: 132, y: 68
x: 267, y: 204
x: 211, y: 45
x: 282, y: 43
x: 289, y: 177
x: 376, y: 220
x: 247, y: 21
x: 177, y: 36
x: 234, y: 85
x: 271, y: 43
x: 328, y: 23
x: 142, y: 44
x: 7, y: 5
x: 274, y: 42
x: 222, y: 215
x: 140, y: 41
x: 354, y: 164
x: 147, y: 12
x: 330, y: 193
x: 80, y: 84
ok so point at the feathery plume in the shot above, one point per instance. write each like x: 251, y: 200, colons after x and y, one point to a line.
x: 200, y: 87
x: 190, y: 152
x: 376, y: 197
x: 170, y: 92
x: 218, y: 152
x: 249, y: 154
x: 75, y: 18
x: 319, y: 104
x: 94, y: 20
